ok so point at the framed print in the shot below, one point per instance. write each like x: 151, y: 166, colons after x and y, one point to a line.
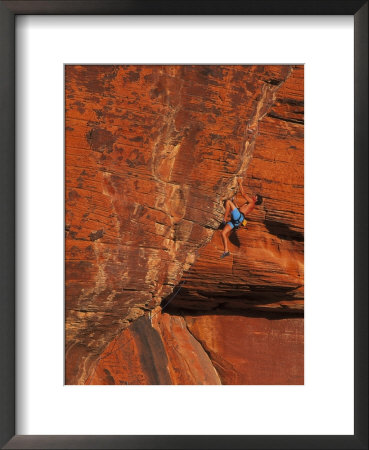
x: 139, y: 131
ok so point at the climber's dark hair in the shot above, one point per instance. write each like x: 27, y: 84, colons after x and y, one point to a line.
x: 259, y: 199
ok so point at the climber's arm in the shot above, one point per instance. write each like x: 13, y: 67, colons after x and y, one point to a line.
x: 244, y: 195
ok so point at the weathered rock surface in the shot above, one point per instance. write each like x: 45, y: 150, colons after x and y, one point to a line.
x: 151, y: 153
x: 136, y: 356
x: 252, y: 350
x: 205, y: 349
x: 266, y: 268
x: 165, y: 353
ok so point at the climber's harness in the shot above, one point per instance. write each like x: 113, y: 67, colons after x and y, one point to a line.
x: 241, y: 221
x: 239, y: 224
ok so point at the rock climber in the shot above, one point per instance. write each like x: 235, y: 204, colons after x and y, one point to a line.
x: 234, y: 216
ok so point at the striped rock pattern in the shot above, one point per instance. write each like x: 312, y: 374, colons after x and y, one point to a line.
x: 205, y: 349
x: 266, y: 268
x: 151, y: 153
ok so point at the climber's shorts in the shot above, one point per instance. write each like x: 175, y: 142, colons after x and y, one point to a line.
x: 236, y: 218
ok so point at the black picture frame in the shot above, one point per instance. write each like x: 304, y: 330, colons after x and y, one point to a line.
x: 8, y: 12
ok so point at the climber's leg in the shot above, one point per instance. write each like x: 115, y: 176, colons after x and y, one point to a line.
x: 225, y: 232
x: 230, y: 206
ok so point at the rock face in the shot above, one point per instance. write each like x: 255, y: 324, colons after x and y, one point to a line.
x: 266, y: 268
x: 164, y: 352
x: 205, y: 349
x: 252, y: 350
x: 151, y: 153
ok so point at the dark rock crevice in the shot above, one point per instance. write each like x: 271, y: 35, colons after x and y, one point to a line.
x: 283, y: 231
x: 286, y: 119
x: 151, y: 351
x: 206, y: 350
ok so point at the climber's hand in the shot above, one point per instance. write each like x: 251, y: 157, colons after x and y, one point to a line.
x: 241, y: 186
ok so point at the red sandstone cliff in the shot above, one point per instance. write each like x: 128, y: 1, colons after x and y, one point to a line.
x: 266, y: 267
x: 151, y: 153
x: 205, y: 349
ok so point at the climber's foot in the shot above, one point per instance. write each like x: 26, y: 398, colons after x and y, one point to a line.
x: 224, y: 255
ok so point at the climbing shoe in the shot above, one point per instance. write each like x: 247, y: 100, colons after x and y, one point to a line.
x: 224, y: 255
